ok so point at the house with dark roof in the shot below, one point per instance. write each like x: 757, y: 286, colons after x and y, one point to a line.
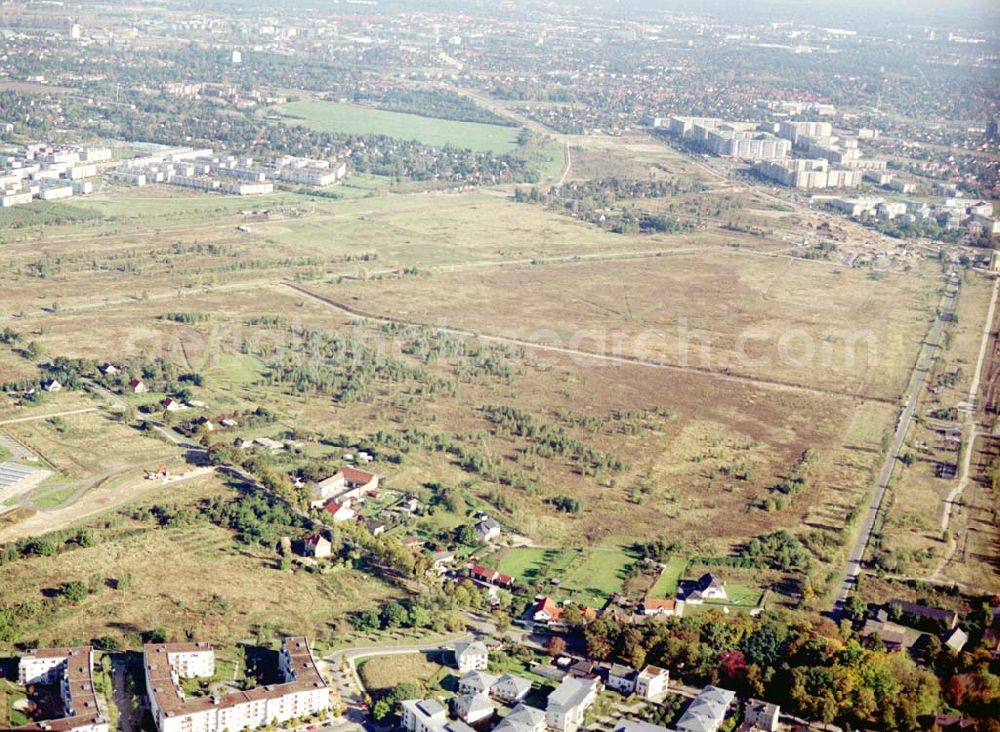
x: 707, y: 587
x: 621, y: 678
x: 916, y: 615
x: 488, y: 530
x: 317, y: 546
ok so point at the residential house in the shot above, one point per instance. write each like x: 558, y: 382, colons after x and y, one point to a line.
x: 568, y: 704
x: 707, y: 712
x: 375, y: 527
x: 545, y: 611
x: 472, y: 708
x: 621, y: 678
x: 471, y: 656
x: 52, y: 386
x: 487, y: 530
x: 228, y: 423
x: 490, y: 576
x: 441, y: 560
x: 583, y: 669
x: 956, y: 639
x: 522, y: 719
x: 476, y: 682
x: 346, y: 483
x: 651, y: 682
x: 412, y: 542
x: 137, y: 386
x: 205, y: 423
x: 761, y: 715
x: 422, y: 715
x: 317, y: 546
x: 911, y: 612
x: 659, y: 606
x: 510, y: 688
x: 171, y: 404
x: 889, y: 634
x: 339, y: 511
x: 708, y: 587
x: 108, y: 369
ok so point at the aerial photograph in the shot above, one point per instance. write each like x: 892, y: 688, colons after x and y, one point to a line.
x: 499, y: 365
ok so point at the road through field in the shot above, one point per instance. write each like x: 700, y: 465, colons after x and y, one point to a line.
x: 591, y: 355
x: 971, y: 426
x: 922, y: 367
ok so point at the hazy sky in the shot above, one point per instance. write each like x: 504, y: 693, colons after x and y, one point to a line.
x: 967, y: 13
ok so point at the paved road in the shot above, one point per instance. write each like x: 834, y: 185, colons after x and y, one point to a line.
x: 853, y: 568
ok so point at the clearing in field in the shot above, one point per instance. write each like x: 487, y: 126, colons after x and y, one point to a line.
x: 358, y: 120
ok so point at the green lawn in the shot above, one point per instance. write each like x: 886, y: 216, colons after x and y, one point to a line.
x: 4, y: 454
x: 527, y: 563
x: 587, y: 576
x: 740, y: 594
x: 51, y: 497
x: 354, y: 119
x: 596, y: 575
x: 666, y: 583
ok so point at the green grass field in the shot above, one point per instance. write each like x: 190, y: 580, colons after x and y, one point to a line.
x: 353, y: 119
x: 52, y: 497
x: 740, y: 594
x: 666, y: 583
x: 587, y: 576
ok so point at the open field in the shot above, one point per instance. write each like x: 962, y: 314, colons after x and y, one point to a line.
x: 382, y: 673
x: 166, y: 254
x: 190, y: 576
x: 770, y: 324
x: 358, y: 120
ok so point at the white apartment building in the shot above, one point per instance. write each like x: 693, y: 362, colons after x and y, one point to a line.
x: 303, y: 693
x: 72, y: 669
x: 794, y: 130
x: 568, y: 704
